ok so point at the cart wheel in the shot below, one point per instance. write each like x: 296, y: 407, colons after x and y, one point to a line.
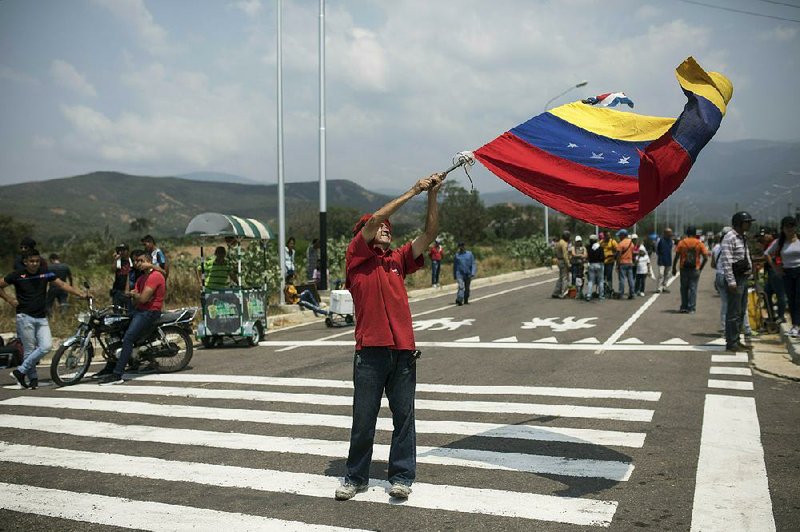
x: 348, y: 319
x: 258, y: 334
x: 328, y: 322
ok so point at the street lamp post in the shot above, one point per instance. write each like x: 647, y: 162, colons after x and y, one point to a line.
x: 546, y: 105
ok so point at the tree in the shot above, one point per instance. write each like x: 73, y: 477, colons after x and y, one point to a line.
x: 462, y: 213
x: 11, y: 232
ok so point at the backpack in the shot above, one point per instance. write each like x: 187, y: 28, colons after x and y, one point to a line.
x: 691, y: 258
x: 11, y: 355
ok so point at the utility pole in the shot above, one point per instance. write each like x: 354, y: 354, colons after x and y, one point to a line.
x: 323, y: 196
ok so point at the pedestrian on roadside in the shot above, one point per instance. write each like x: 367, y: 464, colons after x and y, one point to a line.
x: 436, y: 254
x: 158, y: 259
x: 577, y: 260
x: 124, y: 277
x: 312, y: 256
x: 609, y: 246
x: 30, y: 304
x: 736, y: 266
x: 787, y: 247
x: 664, y: 259
x: 304, y: 299
x: 26, y: 244
x: 596, y: 257
x: 643, y: 269
x: 288, y: 257
x: 561, y: 251
x: 55, y: 293
x: 691, y: 255
x: 774, y: 285
x: 624, y: 259
x: 721, y: 286
x: 464, y: 269
x: 385, y: 355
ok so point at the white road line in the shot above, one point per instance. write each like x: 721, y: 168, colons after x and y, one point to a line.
x: 724, y: 370
x: 423, y: 313
x: 628, y: 323
x: 533, y: 346
x: 737, y: 358
x: 592, y: 412
x: 141, y: 515
x: 731, y: 490
x: 446, y: 456
x: 421, y: 387
x: 730, y: 385
x: 430, y: 496
x: 462, y: 428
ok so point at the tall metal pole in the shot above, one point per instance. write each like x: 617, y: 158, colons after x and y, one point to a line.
x: 281, y: 196
x: 323, y: 198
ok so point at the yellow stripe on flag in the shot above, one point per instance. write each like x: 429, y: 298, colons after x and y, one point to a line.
x: 712, y: 86
x: 614, y: 124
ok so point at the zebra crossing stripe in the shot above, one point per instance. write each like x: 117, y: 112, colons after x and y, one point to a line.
x: 489, y: 407
x: 461, y: 428
x: 730, y: 385
x: 724, y: 370
x: 446, y: 456
x: 141, y: 515
x: 421, y: 387
x: 429, y: 496
x: 737, y: 358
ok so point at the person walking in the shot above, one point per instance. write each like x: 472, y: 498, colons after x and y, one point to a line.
x: 30, y: 304
x: 596, y: 258
x: 736, y: 266
x: 787, y: 247
x: 624, y: 257
x: 643, y: 269
x: 691, y: 254
x: 436, y: 253
x: 609, y: 246
x: 561, y: 251
x: 385, y: 354
x: 464, y: 269
x: 664, y: 259
x: 54, y: 293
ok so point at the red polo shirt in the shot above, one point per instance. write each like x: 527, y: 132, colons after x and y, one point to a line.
x: 375, y: 280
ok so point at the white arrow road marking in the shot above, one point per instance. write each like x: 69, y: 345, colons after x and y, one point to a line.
x: 590, y: 340
x: 511, y: 339
x: 548, y: 340
x: 470, y: 339
x: 675, y: 341
x: 631, y: 341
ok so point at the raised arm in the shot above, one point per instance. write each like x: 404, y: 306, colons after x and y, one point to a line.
x: 424, y: 240
x: 372, y: 225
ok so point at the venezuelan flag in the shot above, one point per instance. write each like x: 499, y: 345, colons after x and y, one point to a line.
x: 610, y: 167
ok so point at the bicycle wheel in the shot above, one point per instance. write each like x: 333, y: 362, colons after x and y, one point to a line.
x: 70, y: 363
x: 179, y: 353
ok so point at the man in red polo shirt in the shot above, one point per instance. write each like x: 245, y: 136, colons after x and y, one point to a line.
x: 385, y: 353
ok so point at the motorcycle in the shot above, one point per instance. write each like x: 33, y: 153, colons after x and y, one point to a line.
x: 166, y: 347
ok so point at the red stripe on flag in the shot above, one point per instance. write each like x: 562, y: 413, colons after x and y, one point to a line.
x: 662, y: 169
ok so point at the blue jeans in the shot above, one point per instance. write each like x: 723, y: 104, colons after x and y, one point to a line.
x: 140, y: 322
x: 436, y: 266
x: 36, y: 340
x: 791, y: 281
x: 596, y: 277
x: 463, y: 288
x: 308, y: 301
x: 376, y: 369
x: 722, y: 288
x: 775, y: 285
x: 625, y: 272
x: 733, y: 317
x: 689, y: 280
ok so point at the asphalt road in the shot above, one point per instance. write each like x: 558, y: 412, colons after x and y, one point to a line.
x: 532, y: 414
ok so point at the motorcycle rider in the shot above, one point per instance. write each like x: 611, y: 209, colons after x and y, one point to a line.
x: 33, y: 328
x: 148, y: 299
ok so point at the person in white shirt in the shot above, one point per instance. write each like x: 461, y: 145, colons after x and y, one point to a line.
x: 787, y: 247
x: 643, y: 269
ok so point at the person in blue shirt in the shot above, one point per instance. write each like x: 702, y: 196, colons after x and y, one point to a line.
x: 664, y: 259
x: 464, y: 269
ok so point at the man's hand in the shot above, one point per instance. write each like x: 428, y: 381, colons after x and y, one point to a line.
x: 732, y: 289
x: 428, y: 183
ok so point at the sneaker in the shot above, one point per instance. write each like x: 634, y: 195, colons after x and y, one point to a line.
x: 641, y: 294
x: 630, y: 296
x: 735, y: 348
x: 34, y: 384
x: 348, y: 490
x: 102, y: 373
x: 18, y: 376
x: 459, y: 303
x: 110, y: 379
x: 400, y: 491
x: 794, y: 332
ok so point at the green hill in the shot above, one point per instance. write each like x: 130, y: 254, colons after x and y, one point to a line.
x: 60, y: 208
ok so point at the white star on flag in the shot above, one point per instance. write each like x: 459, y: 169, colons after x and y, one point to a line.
x: 624, y: 160
x: 596, y: 155
x: 572, y: 145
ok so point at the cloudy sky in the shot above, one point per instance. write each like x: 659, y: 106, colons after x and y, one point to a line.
x: 174, y: 86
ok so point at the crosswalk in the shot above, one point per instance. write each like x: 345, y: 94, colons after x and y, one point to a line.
x: 167, y: 429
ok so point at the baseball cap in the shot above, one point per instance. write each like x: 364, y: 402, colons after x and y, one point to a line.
x: 363, y: 221
x: 578, y: 238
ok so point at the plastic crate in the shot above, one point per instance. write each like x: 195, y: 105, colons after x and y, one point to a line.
x: 341, y: 302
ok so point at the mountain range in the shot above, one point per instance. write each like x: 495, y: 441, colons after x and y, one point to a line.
x: 726, y: 176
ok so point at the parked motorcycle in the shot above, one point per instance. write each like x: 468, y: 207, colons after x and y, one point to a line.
x: 166, y: 347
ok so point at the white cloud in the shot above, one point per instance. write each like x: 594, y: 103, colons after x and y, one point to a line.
x: 16, y: 76
x: 68, y: 76
x: 134, y: 13
x: 779, y: 34
x: 251, y: 8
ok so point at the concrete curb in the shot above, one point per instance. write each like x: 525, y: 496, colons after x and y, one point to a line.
x: 792, y: 344
x: 775, y: 355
